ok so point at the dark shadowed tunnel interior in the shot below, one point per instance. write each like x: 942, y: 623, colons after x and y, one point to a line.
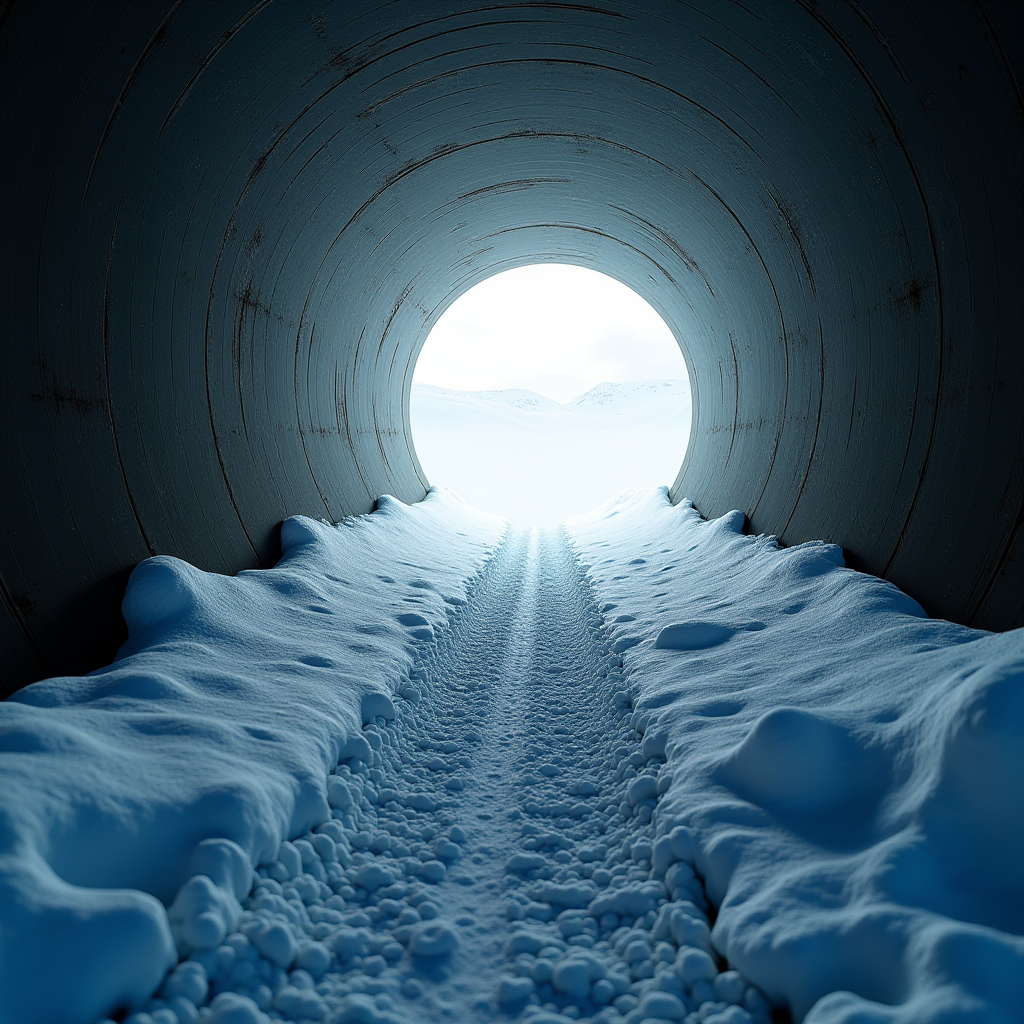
x: 228, y: 229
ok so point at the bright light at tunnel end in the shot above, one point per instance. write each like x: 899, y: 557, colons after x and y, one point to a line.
x: 543, y: 390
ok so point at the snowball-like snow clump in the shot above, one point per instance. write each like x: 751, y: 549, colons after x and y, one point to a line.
x: 851, y: 772
x: 220, y: 720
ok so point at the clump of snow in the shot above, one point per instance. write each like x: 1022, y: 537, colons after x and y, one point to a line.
x: 851, y: 772
x: 532, y: 460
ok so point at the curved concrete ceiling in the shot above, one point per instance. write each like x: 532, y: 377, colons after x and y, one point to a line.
x: 228, y: 228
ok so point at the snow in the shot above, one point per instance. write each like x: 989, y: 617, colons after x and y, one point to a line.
x: 852, y: 773
x: 534, y: 461
x: 428, y: 768
x: 221, y: 718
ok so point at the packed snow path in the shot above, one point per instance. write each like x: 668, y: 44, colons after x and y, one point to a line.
x: 464, y: 873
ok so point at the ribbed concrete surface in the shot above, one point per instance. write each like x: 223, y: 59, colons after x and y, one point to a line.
x: 228, y: 228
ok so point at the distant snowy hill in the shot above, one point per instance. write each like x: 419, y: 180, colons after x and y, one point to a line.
x: 534, y: 460
x: 632, y: 398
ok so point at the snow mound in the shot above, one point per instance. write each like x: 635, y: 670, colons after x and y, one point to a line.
x: 852, y: 772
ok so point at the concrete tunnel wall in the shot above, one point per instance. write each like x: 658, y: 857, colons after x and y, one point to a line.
x: 228, y: 229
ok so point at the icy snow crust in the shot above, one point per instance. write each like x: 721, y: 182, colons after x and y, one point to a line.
x: 645, y: 770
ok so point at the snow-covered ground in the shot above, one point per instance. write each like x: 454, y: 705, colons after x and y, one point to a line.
x: 534, y: 461
x: 642, y: 769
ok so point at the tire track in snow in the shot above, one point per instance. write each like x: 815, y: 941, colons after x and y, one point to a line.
x: 492, y: 853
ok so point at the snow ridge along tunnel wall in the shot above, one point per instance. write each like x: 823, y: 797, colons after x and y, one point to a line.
x: 846, y: 771
x: 231, y: 702
x: 228, y: 228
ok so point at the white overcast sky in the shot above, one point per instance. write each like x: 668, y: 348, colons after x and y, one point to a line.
x: 550, y: 328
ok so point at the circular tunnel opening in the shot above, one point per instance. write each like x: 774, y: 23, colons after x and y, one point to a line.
x: 543, y: 390
x: 228, y: 240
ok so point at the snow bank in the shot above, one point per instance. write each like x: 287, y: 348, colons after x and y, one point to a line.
x: 167, y: 775
x: 852, y: 771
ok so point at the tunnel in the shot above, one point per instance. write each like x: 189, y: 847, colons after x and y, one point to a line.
x: 228, y: 229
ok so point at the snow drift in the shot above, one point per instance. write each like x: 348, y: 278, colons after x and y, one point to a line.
x: 221, y: 718
x: 853, y: 771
